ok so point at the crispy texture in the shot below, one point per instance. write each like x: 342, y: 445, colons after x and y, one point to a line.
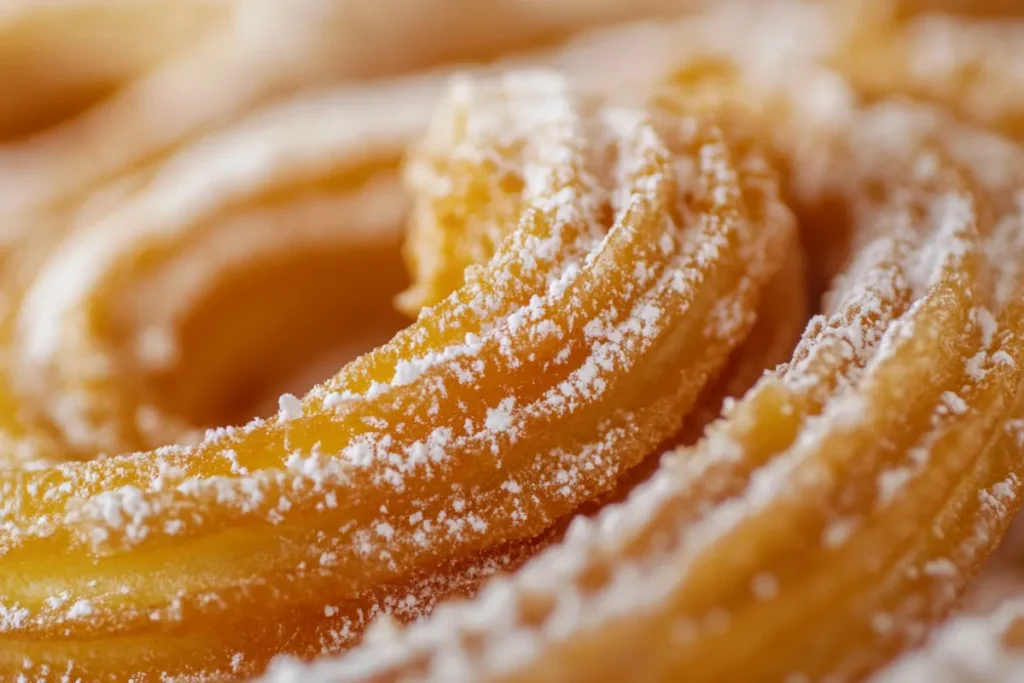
x: 820, y: 488
x: 715, y: 366
x: 823, y: 485
x: 560, y: 333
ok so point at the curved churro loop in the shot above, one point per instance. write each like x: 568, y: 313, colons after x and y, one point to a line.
x: 258, y: 51
x: 610, y: 428
x: 341, y: 477
x: 316, y: 175
x: 840, y: 506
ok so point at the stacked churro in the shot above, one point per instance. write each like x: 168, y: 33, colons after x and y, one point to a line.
x: 710, y: 368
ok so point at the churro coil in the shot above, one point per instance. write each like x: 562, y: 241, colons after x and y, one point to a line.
x: 711, y: 366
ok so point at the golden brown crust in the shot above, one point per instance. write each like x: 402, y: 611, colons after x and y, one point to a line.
x: 715, y: 366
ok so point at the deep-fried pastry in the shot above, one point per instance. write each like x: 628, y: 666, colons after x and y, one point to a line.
x: 251, y: 52
x: 294, y: 191
x: 821, y: 488
x: 605, y: 261
x: 638, y: 256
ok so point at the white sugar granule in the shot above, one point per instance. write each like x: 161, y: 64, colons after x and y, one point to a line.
x: 499, y: 419
x: 81, y: 608
x: 289, y: 408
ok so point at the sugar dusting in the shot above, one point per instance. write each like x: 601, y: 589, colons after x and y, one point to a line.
x: 868, y: 338
x: 168, y: 498
x: 843, y: 351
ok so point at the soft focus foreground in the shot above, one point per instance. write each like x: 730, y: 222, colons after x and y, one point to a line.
x: 709, y: 360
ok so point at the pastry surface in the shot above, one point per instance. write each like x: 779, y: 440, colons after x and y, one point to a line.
x: 681, y: 348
